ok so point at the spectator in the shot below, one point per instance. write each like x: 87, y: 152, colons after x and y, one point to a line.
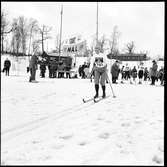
x: 43, y: 68
x: 127, y: 72
x: 134, y: 73
x: 123, y: 74
x: 67, y: 69
x: 33, y: 67
x: 61, y: 70
x: 153, y: 72
x: 161, y: 75
x: 115, y: 71
x: 80, y: 70
x: 146, y: 73
x: 7, y: 65
x: 140, y: 74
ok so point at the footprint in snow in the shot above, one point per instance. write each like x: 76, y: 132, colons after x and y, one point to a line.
x: 157, y: 159
x: 35, y: 141
x: 125, y: 124
x: 58, y: 146
x: 104, y: 135
x: 108, y: 121
x: 83, y: 143
x: 65, y: 137
x: 100, y: 118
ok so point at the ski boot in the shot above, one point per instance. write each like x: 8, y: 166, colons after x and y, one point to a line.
x: 97, y: 91
x: 104, y: 93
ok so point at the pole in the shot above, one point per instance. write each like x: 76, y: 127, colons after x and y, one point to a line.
x: 110, y: 85
x: 97, y: 26
x: 60, y: 32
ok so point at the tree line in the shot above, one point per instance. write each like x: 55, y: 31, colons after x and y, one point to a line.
x: 27, y: 36
x: 22, y: 35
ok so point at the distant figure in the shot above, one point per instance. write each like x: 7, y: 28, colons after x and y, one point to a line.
x: 123, y: 74
x: 161, y: 75
x: 43, y: 68
x: 153, y: 72
x: 127, y: 72
x: 115, y: 72
x: 146, y: 73
x: 33, y: 67
x: 140, y: 74
x: 134, y: 73
x: 61, y: 69
x: 7, y: 65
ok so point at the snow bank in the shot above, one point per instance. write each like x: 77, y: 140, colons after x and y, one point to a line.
x: 46, y: 123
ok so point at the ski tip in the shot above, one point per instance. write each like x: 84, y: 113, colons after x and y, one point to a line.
x: 83, y: 100
x: 114, y: 96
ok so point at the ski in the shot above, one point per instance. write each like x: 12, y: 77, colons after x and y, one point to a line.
x: 96, y: 100
x: 87, y: 100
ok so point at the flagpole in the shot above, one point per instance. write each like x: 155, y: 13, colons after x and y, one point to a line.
x: 97, y: 26
x: 60, y: 32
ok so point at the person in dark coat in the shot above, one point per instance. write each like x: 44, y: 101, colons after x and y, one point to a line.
x: 115, y: 71
x: 80, y: 70
x: 61, y: 69
x: 140, y: 74
x: 33, y: 67
x: 134, y: 73
x: 146, y: 73
x: 123, y: 74
x: 7, y: 65
x: 161, y: 75
x: 153, y: 72
x: 43, y: 68
x: 53, y: 69
x: 67, y: 69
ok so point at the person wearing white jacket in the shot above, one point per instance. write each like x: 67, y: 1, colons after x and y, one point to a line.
x: 99, y: 64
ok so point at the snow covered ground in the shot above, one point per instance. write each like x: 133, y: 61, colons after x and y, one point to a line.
x: 46, y: 123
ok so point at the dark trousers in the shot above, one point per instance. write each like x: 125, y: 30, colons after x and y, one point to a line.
x: 68, y: 75
x: 7, y: 71
x: 153, y: 78
x: 114, y: 79
x: 33, y: 73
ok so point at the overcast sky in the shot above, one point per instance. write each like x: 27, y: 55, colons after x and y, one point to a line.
x: 141, y: 22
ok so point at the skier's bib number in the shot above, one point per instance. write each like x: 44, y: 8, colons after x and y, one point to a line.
x: 99, y: 62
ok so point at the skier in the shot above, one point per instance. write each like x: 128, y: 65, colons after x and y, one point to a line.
x: 99, y: 65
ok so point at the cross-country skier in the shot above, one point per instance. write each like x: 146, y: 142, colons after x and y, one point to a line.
x: 98, y: 64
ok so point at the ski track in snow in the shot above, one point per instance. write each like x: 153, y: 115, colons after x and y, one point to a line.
x: 47, y: 123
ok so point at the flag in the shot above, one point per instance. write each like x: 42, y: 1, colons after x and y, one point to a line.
x: 72, y: 40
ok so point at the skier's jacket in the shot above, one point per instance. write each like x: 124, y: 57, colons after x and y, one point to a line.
x: 99, y: 62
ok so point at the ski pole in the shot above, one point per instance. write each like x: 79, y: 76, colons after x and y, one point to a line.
x: 110, y: 85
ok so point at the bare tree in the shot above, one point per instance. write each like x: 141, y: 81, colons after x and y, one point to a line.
x: 130, y: 47
x: 23, y: 28
x: 44, y: 31
x: 5, y: 28
x: 16, y: 37
x: 113, y: 42
x: 33, y: 29
x: 35, y: 46
x: 102, y: 43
